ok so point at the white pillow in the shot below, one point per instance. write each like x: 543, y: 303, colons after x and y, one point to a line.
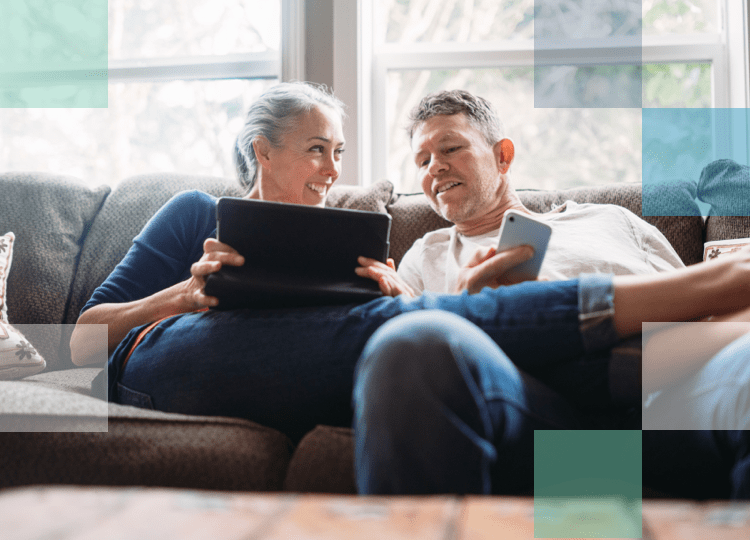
x: 6, y: 257
x: 18, y: 358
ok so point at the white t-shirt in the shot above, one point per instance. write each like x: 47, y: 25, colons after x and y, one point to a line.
x: 586, y: 238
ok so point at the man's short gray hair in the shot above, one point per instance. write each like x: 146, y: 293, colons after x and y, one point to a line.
x: 480, y: 112
x: 273, y: 115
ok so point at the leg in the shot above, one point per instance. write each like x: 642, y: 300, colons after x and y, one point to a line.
x: 439, y: 408
x: 292, y: 369
x: 715, y: 398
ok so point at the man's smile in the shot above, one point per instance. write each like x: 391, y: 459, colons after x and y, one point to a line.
x: 445, y: 187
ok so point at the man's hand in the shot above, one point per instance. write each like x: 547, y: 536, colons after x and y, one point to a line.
x: 487, y: 268
x: 385, y: 274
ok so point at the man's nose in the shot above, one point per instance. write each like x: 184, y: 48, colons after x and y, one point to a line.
x: 437, y: 165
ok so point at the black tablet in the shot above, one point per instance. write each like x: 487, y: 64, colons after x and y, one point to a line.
x: 296, y: 255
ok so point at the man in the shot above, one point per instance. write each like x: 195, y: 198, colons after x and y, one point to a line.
x: 438, y: 406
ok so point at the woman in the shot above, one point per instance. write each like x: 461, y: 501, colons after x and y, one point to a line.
x: 292, y: 369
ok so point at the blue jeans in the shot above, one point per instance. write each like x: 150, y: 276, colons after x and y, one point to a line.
x: 440, y: 408
x: 293, y: 369
x: 716, y: 397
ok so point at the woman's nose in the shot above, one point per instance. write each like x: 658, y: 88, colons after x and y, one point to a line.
x: 331, y: 166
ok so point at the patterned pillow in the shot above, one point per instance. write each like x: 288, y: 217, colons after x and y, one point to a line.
x: 18, y: 358
x: 6, y: 257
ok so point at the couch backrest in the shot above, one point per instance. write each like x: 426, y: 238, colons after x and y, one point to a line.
x: 70, y: 237
x: 413, y: 217
x: 50, y: 216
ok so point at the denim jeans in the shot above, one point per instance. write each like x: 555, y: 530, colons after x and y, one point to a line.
x: 293, y: 368
x: 439, y: 407
x: 717, y: 397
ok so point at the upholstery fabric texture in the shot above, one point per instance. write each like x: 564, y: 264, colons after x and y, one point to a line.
x: 674, y: 197
x: 323, y: 462
x: 183, y: 454
x: 727, y: 228
x: 50, y: 216
x: 412, y: 216
x: 725, y: 185
x: 371, y: 199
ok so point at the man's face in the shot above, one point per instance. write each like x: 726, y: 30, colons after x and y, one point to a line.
x: 459, y: 172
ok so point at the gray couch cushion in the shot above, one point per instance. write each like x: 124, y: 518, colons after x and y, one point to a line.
x: 122, y: 217
x: 50, y: 217
x: 675, y: 197
x: 727, y: 228
x: 137, y: 447
x: 413, y: 216
x: 371, y: 199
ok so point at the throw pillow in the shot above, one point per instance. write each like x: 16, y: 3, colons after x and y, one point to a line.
x: 725, y: 185
x: 6, y: 257
x: 18, y: 358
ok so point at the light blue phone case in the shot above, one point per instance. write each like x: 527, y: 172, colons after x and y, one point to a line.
x: 517, y: 230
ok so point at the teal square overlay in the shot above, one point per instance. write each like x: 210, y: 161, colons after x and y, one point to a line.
x: 683, y: 170
x: 587, y: 484
x: 53, y: 53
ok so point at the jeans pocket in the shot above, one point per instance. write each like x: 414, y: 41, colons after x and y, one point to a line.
x: 128, y: 396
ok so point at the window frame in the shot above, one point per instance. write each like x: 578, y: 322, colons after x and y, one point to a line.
x: 287, y: 64
x: 727, y: 51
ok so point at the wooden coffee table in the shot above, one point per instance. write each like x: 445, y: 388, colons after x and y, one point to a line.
x: 78, y: 513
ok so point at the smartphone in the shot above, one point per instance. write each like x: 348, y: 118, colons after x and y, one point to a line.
x: 518, y: 230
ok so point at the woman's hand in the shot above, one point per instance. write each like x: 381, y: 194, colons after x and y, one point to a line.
x: 215, y: 254
x: 487, y: 268
x: 385, y: 274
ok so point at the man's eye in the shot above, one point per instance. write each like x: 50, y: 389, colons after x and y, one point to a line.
x: 452, y: 149
x: 424, y: 163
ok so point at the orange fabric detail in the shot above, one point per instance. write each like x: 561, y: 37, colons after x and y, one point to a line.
x: 148, y: 329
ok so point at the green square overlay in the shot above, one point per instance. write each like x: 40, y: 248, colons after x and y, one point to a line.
x: 587, y: 483
x: 53, y: 53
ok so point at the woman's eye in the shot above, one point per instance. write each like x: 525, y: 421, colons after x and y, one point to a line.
x: 340, y: 151
x: 316, y: 148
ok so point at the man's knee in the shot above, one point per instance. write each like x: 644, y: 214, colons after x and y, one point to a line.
x: 411, y: 357
x: 410, y: 345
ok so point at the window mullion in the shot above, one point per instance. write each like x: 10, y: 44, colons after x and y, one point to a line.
x: 264, y: 65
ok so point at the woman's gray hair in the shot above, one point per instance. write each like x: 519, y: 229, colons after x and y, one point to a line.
x: 274, y: 114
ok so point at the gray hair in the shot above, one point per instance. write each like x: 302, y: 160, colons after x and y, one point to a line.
x: 272, y: 115
x: 479, y: 111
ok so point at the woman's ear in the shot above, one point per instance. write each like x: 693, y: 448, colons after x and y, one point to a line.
x: 504, y: 154
x: 262, y: 149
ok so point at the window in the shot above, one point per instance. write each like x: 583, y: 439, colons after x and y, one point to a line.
x: 691, y: 54
x: 181, y: 77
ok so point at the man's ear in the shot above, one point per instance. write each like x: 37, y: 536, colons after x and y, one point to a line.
x: 262, y: 149
x: 504, y: 154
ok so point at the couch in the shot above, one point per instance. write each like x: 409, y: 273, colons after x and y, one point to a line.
x: 70, y: 236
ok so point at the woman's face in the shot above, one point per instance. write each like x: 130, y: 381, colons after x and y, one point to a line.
x: 308, y: 162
